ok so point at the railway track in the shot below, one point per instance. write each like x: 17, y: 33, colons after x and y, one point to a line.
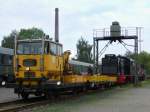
x: 19, y: 105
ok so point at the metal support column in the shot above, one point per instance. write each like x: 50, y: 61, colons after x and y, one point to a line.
x: 136, y: 42
x: 136, y: 54
x: 94, y: 54
x: 97, y: 56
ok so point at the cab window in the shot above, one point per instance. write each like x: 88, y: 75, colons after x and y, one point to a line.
x: 46, y: 48
x: 53, y: 49
x: 59, y: 52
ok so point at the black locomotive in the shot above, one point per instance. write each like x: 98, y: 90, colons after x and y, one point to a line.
x: 122, y: 66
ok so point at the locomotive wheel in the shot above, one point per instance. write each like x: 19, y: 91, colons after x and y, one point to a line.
x: 76, y: 91
x: 38, y: 94
x: 84, y: 89
x: 25, y: 95
x: 51, y: 95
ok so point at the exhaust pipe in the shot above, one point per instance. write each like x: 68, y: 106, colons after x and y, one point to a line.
x: 56, y: 25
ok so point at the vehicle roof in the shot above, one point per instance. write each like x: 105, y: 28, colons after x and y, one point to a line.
x: 6, y: 51
x: 80, y: 63
x: 36, y: 40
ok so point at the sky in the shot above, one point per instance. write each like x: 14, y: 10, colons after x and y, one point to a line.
x: 77, y: 18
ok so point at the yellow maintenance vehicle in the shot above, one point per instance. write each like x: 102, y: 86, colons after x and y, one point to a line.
x: 41, y: 67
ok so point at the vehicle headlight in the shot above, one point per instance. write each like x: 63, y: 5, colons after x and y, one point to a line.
x: 3, y: 83
x: 27, y: 68
x: 58, y: 83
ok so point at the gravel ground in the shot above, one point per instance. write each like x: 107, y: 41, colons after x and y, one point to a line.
x: 133, y: 100
x: 7, y: 94
x: 126, y: 99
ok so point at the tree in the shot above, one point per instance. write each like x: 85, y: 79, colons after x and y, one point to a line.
x: 8, y: 41
x: 142, y: 58
x: 34, y: 33
x: 84, y: 51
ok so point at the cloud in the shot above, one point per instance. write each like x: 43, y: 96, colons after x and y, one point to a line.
x: 77, y: 18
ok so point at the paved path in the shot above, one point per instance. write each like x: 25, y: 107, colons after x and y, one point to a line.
x: 7, y: 94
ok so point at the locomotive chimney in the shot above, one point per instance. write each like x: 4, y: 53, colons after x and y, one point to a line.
x: 56, y: 25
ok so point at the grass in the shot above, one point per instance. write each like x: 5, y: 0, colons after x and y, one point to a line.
x: 72, y: 104
x: 146, y: 83
x: 87, y: 99
x: 75, y: 103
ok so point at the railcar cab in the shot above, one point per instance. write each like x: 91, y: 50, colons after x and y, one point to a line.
x: 38, y: 60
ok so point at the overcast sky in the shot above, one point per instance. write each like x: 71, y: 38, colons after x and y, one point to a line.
x: 77, y: 18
